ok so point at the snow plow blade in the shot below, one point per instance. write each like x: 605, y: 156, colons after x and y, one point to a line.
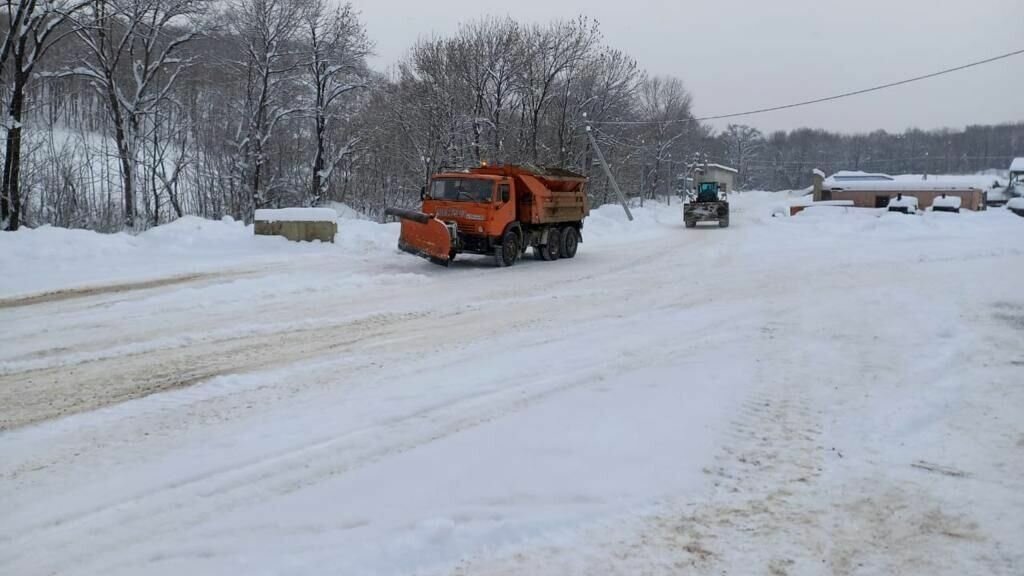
x: 423, y: 236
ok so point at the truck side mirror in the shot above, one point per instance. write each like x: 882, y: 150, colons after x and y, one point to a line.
x: 423, y: 192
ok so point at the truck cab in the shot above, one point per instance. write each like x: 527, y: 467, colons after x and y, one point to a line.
x: 480, y: 206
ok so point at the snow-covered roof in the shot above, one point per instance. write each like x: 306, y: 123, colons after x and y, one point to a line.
x: 983, y: 181
x: 297, y: 215
x: 725, y: 168
x: 900, y: 186
x: 808, y: 202
x: 1017, y: 165
x: 858, y: 176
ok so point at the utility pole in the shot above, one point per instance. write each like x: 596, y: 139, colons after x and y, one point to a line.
x: 608, y: 172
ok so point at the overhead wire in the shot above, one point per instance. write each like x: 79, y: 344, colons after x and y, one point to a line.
x: 818, y: 100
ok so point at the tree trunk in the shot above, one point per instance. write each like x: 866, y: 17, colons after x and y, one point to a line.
x: 318, y: 161
x: 124, y: 155
x: 11, y: 191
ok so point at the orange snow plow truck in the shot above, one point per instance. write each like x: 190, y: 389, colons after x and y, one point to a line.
x: 497, y: 211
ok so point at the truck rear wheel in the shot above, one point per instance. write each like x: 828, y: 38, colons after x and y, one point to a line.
x: 549, y: 251
x: 555, y: 243
x: 570, y: 242
x: 724, y: 223
x: 508, y: 252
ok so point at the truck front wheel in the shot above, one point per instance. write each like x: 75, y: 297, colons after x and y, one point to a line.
x: 508, y: 252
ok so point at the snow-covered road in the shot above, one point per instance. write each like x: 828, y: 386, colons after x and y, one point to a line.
x: 840, y: 392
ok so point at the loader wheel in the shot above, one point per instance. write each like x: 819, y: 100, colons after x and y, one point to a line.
x: 507, y: 254
x: 570, y: 242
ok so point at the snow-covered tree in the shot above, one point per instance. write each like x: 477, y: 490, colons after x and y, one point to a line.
x: 32, y: 27
x: 266, y: 31
x: 335, y: 46
x: 132, y: 60
x: 743, y: 145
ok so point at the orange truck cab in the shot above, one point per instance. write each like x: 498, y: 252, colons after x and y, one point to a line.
x: 497, y: 211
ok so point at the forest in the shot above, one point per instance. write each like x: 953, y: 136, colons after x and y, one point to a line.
x: 125, y: 114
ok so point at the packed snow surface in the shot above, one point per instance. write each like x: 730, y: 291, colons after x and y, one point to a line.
x: 837, y: 392
x: 296, y: 215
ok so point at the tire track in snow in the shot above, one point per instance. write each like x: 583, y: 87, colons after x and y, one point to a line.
x: 37, y: 395
x: 112, y: 289
x: 288, y: 471
x: 120, y: 374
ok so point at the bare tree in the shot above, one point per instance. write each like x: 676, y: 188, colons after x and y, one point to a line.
x: 32, y: 25
x: 743, y: 145
x: 336, y: 48
x: 266, y: 30
x: 665, y: 104
x: 132, y: 48
x: 551, y: 51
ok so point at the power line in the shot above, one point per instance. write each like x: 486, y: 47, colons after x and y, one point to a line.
x: 825, y: 99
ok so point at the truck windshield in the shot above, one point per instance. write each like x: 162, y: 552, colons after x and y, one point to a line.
x: 462, y: 190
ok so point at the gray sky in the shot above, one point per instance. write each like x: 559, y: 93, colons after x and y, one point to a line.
x: 736, y: 55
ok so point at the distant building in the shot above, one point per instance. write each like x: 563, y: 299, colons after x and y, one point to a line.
x: 875, y: 190
x: 719, y: 173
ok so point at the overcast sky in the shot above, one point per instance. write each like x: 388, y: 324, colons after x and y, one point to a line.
x: 736, y: 55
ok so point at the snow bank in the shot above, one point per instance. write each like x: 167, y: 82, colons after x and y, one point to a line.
x: 810, y: 202
x: 297, y: 215
x: 608, y: 224
x: 829, y: 212
x: 346, y: 212
x: 363, y: 237
x: 51, y: 259
x: 1015, y: 204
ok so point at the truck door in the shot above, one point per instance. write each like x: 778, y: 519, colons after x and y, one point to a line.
x: 504, y: 207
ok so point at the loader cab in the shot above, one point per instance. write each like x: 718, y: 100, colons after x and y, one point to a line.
x: 708, y: 192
